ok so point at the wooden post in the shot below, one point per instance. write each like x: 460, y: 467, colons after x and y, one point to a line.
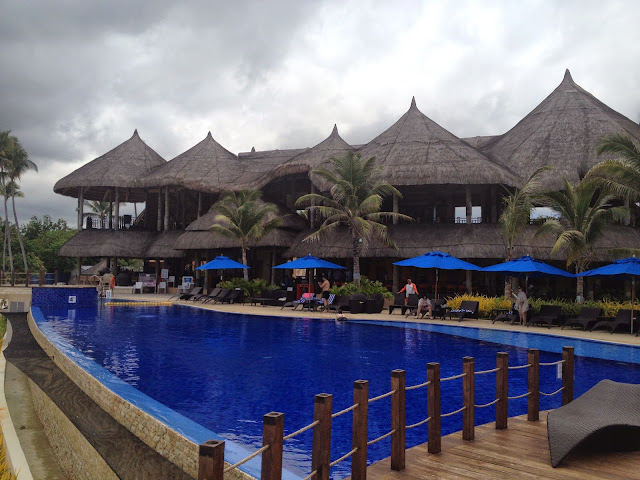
x: 26, y: 280
x: 80, y: 207
x: 433, y: 408
x: 41, y: 279
x: 272, y: 433
x: 166, y: 208
x: 533, y: 405
x: 321, y: 450
x: 159, y: 220
x: 116, y: 207
x: 398, y: 419
x: 502, y: 390
x: 360, y: 435
x: 199, y: 204
x: 567, y: 375
x: 468, y: 398
x: 211, y: 460
x: 55, y: 277
x: 468, y: 203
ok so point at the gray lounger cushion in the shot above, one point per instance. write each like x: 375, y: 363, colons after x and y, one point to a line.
x: 605, y: 418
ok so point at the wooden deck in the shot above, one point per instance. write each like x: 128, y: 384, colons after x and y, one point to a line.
x: 520, y: 452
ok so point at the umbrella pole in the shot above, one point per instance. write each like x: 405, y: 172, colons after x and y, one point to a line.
x: 436, y: 292
x: 633, y: 292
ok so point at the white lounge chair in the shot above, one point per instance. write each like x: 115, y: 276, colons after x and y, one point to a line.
x: 138, y: 287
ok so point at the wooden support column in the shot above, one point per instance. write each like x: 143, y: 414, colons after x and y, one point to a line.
x: 272, y: 435
x: 395, y: 208
x: 398, y: 420
x: 159, y: 223
x: 211, y: 460
x: 434, y: 435
x: 360, y: 433
x: 494, y: 205
x: 166, y: 208
x: 567, y: 375
x: 79, y: 268
x: 199, y: 204
x: 117, y: 210
x: 80, y: 207
x: 502, y: 390
x: 321, y: 450
x: 469, y: 203
x: 468, y: 398
x: 533, y: 404
x: 183, y: 211
x: 469, y: 281
x: 110, y: 210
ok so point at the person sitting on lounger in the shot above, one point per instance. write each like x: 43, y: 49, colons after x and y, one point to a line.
x: 424, y: 304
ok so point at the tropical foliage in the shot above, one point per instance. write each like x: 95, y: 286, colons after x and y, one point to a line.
x: 244, y: 216
x: 251, y: 288
x: 99, y: 209
x: 584, y: 211
x: 365, y: 286
x: 43, y: 238
x: 620, y: 175
x: 354, y: 200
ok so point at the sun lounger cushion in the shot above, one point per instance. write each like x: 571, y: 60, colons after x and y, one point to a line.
x: 606, y: 418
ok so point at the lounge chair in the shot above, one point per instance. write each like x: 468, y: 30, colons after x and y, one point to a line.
x: 439, y: 308
x: 605, y: 418
x: 399, y: 301
x: 320, y: 302
x: 305, y: 297
x: 340, y: 304
x: 622, y: 320
x: 412, y: 303
x: 205, y: 297
x: 511, y: 316
x: 468, y: 309
x: 549, y: 315
x: 586, y: 319
x: 194, y: 291
x: 137, y: 287
x: 234, y: 296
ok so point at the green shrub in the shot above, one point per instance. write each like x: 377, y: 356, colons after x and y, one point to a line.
x: 367, y: 287
x: 251, y: 288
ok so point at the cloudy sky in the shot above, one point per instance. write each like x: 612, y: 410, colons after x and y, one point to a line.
x: 78, y: 76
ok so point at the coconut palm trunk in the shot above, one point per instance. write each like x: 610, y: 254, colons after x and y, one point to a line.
x: 7, y: 232
x: 356, y: 258
x: 245, y: 272
x: 15, y: 216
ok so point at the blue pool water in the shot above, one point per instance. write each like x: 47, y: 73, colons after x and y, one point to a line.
x: 225, y: 371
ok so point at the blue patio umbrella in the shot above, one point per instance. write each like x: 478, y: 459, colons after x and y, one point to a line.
x: 309, y: 262
x: 626, y: 266
x: 527, y: 266
x: 222, y: 263
x: 438, y: 260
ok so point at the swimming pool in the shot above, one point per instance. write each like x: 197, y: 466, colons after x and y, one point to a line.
x: 225, y: 371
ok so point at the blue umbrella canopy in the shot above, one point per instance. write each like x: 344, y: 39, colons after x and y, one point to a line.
x: 626, y: 266
x: 528, y: 266
x: 309, y: 262
x: 221, y: 263
x: 438, y: 260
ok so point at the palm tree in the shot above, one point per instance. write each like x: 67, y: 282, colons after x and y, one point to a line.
x: 354, y: 200
x: 244, y: 216
x: 516, y: 212
x: 585, y: 212
x: 19, y: 163
x: 7, y: 150
x: 622, y: 174
x: 101, y: 209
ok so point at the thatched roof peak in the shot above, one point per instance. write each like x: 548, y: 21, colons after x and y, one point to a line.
x: 416, y: 151
x: 206, y: 167
x: 562, y: 131
x: 413, y: 103
x: 121, y: 167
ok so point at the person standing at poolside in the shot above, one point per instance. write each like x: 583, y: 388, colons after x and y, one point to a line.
x: 409, y: 289
x: 325, y: 285
x: 522, y: 305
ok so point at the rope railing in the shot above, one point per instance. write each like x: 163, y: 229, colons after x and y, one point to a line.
x: 302, y: 430
x: 384, y: 395
x: 420, y: 385
x: 246, y: 459
x: 552, y: 394
x: 211, y: 453
x: 381, y: 437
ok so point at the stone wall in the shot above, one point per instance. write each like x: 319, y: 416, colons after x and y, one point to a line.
x: 76, y: 456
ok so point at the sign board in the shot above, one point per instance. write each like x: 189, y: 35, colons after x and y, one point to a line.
x: 164, y: 273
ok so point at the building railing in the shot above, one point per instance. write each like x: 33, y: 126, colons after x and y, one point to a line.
x: 464, y: 220
x: 28, y: 278
x: 211, y: 453
x: 125, y: 222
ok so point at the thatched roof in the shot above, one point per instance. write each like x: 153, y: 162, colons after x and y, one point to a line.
x: 478, y: 241
x: 205, y: 167
x: 418, y: 151
x: 309, y: 159
x: 563, y: 132
x: 120, y: 167
x: 256, y: 165
x: 122, y: 244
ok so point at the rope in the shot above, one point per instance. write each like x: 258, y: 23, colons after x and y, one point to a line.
x: 381, y: 437
x: 371, y: 400
x: 347, y: 455
x: 487, y: 404
x: 418, y: 424
x: 254, y: 454
x: 312, y: 474
x: 551, y: 394
x: 551, y: 363
x: 517, y: 367
x: 452, y: 378
x: 337, y: 414
x: 453, y: 413
x: 487, y: 371
x: 519, y: 396
x: 420, y: 385
x: 303, y: 429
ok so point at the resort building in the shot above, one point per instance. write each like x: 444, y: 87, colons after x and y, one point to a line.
x: 438, y: 174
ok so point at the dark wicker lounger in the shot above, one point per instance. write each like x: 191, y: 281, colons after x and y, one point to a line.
x: 605, y: 418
